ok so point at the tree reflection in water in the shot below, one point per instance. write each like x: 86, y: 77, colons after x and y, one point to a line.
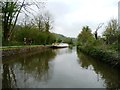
x: 109, y: 74
x: 18, y: 69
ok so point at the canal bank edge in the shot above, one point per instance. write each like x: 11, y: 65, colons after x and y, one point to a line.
x: 21, y: 50
x: 106, y: 57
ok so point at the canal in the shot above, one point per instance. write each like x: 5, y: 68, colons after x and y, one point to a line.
x: 58, y: 68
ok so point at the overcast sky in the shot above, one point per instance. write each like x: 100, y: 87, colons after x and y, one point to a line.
x: 71, y: 15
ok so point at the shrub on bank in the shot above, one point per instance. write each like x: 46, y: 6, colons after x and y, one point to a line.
x: 32, y: 36
x: 103, y: 55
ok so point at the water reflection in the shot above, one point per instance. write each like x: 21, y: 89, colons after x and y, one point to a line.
x: 21, y: 70
x: 59, y: 68
x: 64, y: 51
x: 105, y: 72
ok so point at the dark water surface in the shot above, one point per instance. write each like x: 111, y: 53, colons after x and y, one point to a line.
x: 59, y: 68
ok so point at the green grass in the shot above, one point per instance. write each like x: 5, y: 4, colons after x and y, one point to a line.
x: 17, y: 47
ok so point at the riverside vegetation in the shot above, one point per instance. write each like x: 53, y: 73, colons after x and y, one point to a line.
x: 105, y: 47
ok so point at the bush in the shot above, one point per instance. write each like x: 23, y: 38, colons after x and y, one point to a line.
x: 35, y: 36
x: 103, y: 55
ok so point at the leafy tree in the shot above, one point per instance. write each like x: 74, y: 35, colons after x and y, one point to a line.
x: 111, y: 32
x: 59, y: 40
x: 34, y: 36
x: 85, y: 37
x: 68, y: 40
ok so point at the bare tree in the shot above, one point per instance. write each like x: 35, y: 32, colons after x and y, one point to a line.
x: 39, y: 21
x: 10, y: 11
x: 44, y: 21
x: 48, y: 20
x: 99, y: 26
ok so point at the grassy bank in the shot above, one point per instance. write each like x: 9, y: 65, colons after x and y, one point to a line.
x: 18, y: 47
x: 107, y: 56
x: 12, y: 50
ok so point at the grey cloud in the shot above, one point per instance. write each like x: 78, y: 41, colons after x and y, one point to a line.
x: 58, y: 9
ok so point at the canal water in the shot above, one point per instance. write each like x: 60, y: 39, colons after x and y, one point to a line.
x: 58, y: 68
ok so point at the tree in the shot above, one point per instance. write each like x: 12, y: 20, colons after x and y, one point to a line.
x: 43, y: 21
x: 48, y: 20
x: 10, y: 13
x: 68, y: 40
x: 111, y: 32
x: 99, y: 26
x: 59, y: 40
x: 85, y: 37
x: 39, y: 21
